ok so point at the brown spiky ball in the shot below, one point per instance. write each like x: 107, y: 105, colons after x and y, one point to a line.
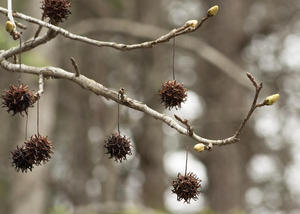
x: 186, y: 187
x: 118, y: 147
x: 56, y: 10
x: 172, y: 94
x: 22, y: 160
x: 18, y: 99
x: 40, y: 147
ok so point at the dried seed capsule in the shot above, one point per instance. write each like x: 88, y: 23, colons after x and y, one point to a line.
x: 186, y: 187
x: 172, y: 94
x: 118, y: 147
x: 56, y: 10
x: 18, y: 99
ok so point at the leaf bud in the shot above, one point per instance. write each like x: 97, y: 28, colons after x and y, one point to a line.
x: 9, y: 26
x: 270, y: 100
x: 213, y: 10
x: 200, y: 147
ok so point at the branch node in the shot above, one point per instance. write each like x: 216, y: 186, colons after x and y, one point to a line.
x: 209, y: 147
x: 122, y: 94
x: 185, y: 122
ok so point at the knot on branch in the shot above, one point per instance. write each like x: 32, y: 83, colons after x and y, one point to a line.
x: 121, y: 94
x: 185, y: 122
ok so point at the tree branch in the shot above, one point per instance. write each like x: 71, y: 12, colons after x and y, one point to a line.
x: 99, y: 89
x: 146, y: 31
x: 202, y: 49
x: 186, y: 28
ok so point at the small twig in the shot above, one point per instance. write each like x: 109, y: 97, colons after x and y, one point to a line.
x: 185, y: 122
x: 202, y: 21
x: 15, y: 60
x: 254, y: 105
x: 38, y: 31
x: 75, y: 65
x: 20, y: 25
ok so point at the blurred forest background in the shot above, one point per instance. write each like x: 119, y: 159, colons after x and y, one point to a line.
x: 260, y: 175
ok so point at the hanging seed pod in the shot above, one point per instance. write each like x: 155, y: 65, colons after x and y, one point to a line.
x: 22, y: 160
x: 172, y: 94
x: 40, y: 147
x: 186, y: 187
x: 56, y: 10
x: 18, y: 99
x: 118, y: 147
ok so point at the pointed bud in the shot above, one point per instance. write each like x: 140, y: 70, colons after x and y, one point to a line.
x: 192, y: 23
x: 213, y: 10
x: 270, y: 100
x: 9, y: 26
x: 200, y: 147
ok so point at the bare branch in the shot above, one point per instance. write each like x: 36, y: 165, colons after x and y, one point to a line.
x: 38, y: 31
x: 143, y: 30
x: 20, y: 25
x: 30, y: 44
x: 254, y: 105
x: 99, y: 89
x: 146, y: 31
x: 124, y: 47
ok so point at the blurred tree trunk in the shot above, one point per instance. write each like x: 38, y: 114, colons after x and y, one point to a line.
x: 149, y: 138
x: 225, y: 109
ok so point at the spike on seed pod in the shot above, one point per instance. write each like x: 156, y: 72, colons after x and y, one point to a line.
x: 18, y: 99
x: 56, y: 10
x: 213, y: 10
x: 118, y: 147
x: 270, y: 100
x: 40, y: 147
x: 22, y: 160
x: 172, y: 94
x: 186, y: 187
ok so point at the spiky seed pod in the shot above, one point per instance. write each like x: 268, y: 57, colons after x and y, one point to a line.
x: 56, y: 10
x: 18, y: 99
x: 40, y: 147
x: 172, y: 94
x: 22, y: 159
x: 186, y: 187
x: 118, y: 147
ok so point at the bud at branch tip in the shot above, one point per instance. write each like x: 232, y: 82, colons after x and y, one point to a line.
x: 213, y: 10
x: 200, y: 147
x: 9, y: 26
x: 270, y: 100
